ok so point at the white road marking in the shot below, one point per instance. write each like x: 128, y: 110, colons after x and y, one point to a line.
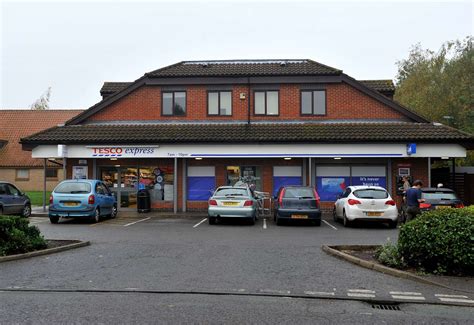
x: 408, y: 297
x: 287, y: 292
x: 467, y: 301
x: 405, y: 293
x: 319, y: 293
x: 329, y: 225
x: 451, y: 296
x: 264, y: 223
x: 199, y: 222
x: 132, y: 223
x: 361, y: 290
x: 361, y: 295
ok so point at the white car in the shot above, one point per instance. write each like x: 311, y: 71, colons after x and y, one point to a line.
x: 368, y: 203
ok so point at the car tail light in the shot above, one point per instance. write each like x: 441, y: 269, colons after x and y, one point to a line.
x: 390, y: 202
x: 280, y: 198
x: 51, y: 199
x: 248, y: 203
x: 91, y: 199
x: 212, y: 202
x: 353, y: 202
x: 316, y: 196
x: 425, y: 205
x: 459, y: 205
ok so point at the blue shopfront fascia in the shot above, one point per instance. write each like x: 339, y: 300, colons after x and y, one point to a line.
x: 372, y: 150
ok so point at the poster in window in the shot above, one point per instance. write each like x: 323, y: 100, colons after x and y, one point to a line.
x: 330, y: 187
x: 79, y: 172
x: 370, y: 181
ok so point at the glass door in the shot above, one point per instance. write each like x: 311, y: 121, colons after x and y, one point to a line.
x: 128, y: 187
x: 109, y: 175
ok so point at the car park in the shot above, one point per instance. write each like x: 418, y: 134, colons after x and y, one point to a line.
x: 366, y: 203
x: 297, y: 203
x: 13, y: 201
x: 83, y: 198
x: 232, y: 202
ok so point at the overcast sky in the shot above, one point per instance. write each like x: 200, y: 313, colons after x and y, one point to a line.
x: 75, y: 46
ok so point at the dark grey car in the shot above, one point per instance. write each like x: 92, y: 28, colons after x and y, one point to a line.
x: 13, y: 201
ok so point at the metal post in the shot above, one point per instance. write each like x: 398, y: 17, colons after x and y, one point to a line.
x: 429, y: 171
x: 454, y: 174
x: 44, y: 184
x: 304, y: 171
x: 94, y: 168
x: 389, y: 176
x: 185, y: 190
x: 64, y: 168
x: 310, y: 171
x: 175, y: 186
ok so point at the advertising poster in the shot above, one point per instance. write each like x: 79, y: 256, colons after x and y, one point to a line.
x: 330, y: 187
x: 370, y: 181
x: 79, y: 172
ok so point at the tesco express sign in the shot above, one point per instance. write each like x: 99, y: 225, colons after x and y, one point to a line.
x: 123, y: 152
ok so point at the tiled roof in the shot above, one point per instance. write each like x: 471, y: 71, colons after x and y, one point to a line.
x: 110, y: 87
x: 16, y: 123
x: 254, y: 133
x: 245, y: 68
x: 383, y: 85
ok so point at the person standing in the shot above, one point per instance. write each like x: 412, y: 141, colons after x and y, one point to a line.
x: 413, y: 200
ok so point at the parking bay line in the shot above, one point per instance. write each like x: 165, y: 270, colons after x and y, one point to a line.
x: 467, y: 301
x: 196, y: 225
x: 329, y: 225
x: 265, y: 223
x: 132, y: 223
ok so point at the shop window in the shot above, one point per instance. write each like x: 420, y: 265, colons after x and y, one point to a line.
x: 250, y: 175
x: 285, y: 176
x: 201, y: 182
x: 313, y: 102
x: 369, y: 176
x: 174, y: 103
x: 331, y: 181
x: 266, y: 102
x: 159, y: 181
x: 23, y: 174
x: 219, y: 103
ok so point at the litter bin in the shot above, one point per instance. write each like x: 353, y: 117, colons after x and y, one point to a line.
x: 143, y: 201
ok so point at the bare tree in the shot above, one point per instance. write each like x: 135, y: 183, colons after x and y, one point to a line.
x: 42, y: 103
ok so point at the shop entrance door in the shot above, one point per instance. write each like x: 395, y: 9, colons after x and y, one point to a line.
x: 123, y: 182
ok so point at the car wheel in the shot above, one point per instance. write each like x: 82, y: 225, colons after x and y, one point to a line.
x: 252, y: 221
x: 278, y: 221
x: 334, y: 215
x: 96, y: 217
x: 114, y: 212
x: 347, y: 222
x: 317, y: 223
x: 26, y: 212
x: 212, y: 220
x: 54, y: 220
x: 392, y: 224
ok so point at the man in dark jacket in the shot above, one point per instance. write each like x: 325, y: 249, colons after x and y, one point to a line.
x: 413, y: 200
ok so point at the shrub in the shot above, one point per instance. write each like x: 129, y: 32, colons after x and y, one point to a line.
x: 440, y: 241
x: 389, y: 255
x: 17, y: 236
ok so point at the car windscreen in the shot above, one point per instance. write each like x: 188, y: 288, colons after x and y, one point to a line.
x: 231, y: 192
x: 370, y: 194
x: 439, y: 195
x: 73, y: 188
x: 298, y: 193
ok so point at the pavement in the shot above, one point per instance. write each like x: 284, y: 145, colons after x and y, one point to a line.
x: 149, y: 267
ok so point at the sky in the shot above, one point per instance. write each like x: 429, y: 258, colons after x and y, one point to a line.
x: 73, y: 47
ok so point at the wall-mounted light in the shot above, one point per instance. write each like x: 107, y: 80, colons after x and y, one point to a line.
x: 198, y: 158
x: 287, y: 158
x: 444, y: 158
x: 117, y: 165
x: 337, y: 158
x: 113, y: 158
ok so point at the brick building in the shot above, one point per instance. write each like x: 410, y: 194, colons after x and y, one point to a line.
x: 17, y: 166
x: 184, y: 129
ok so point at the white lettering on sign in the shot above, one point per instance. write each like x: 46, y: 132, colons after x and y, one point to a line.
x: 178, y: 154
x: 122, y: 152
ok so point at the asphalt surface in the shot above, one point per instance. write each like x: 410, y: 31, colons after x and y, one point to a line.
x: 149, y: 264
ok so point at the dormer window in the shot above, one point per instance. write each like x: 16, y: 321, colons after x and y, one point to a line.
x: 266, y: 102
x: 174, y: 103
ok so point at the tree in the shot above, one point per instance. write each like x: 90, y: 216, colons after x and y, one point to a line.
x: 42, y: 103
x: 439, y: 85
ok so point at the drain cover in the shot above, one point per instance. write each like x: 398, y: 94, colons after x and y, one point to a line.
x: 386, y: 307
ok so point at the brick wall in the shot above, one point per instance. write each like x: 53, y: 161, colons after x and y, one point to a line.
x: 343, y: 102
x: 418, y: 170
x: 35, y: 180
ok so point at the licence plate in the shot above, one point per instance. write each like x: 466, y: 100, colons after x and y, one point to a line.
x: 71, y: 204
x: 230, y: 203
x: 442, y: 206
x: 374, y: 214
x: 299, y: 216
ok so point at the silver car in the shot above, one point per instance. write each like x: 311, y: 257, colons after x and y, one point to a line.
x: 232, y: 202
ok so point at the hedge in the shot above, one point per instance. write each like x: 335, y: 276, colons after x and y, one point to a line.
x: 17, y: 236
x: 440, y: 241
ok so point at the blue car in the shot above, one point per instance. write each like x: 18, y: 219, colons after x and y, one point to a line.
x: 82, y: 198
